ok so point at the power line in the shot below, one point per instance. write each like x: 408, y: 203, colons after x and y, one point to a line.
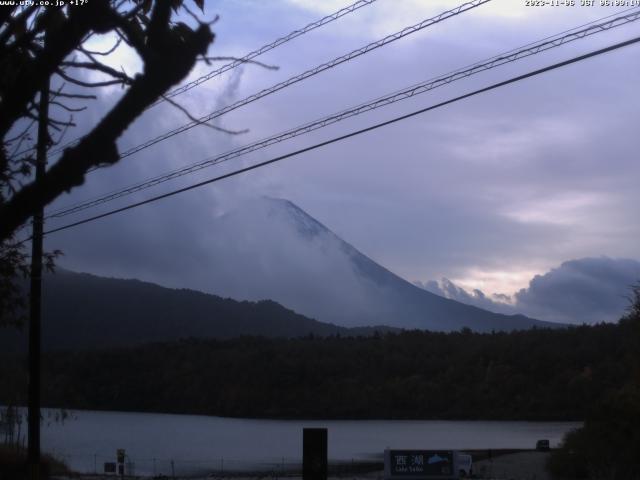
x: 417, y: 89
x: 352, y: 134
x: 248, y: 57
x: 270, y: 46
x: 309, y: 73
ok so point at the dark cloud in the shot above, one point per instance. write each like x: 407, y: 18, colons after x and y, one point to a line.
x: 586, y: 290
x: 516, y: 180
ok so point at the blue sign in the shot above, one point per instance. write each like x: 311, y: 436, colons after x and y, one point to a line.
x: 420, y: 464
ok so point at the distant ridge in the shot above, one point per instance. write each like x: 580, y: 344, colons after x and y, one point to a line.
x: 84, y: 311
x: 264, y: 249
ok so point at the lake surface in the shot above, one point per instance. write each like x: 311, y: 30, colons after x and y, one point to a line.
x: 199, y: 444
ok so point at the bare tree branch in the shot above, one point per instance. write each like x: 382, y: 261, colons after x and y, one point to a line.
x: 66, y: 107
x: 105, y: 53
x: 200, y: 122
x: 132, y: 36
x: 23, y: 138
x: 82, y: 83
x: 5, y: 14
x: 63, y: 39
x: 11, y: 23
x: 97, y: 66
x: 169, y: 53
x: 16, y: 137
x: 77, y: 95
x: 54, y: 143
x: 62, y: 123
x: 41, y: 21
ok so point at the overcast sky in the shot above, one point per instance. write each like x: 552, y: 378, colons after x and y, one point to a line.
x: 488, y: 192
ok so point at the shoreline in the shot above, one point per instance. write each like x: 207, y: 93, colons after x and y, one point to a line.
x: 484, y: 460
x: 512, y: 464
x: 303, y: 418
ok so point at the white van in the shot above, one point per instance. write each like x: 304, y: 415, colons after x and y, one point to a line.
x: 465, y: 465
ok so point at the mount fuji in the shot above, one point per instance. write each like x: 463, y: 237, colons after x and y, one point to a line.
x: 269, y: 248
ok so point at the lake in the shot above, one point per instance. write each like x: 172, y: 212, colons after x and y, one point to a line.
x: 199, y: 444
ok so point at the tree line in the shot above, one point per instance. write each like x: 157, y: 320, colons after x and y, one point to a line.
x: 539, y: 374
x: 607, y: 446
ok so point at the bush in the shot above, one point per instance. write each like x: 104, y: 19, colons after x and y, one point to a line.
x: 13, y: 464
x: 608, y: 445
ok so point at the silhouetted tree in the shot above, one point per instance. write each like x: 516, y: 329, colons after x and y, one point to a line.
x: 607, y: 446
x: 38, y: 44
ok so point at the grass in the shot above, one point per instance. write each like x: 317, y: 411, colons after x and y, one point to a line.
x: 13, y: 464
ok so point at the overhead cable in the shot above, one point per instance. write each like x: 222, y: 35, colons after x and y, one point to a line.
x: 309, y: 73
x: 351, y: 134
x: 250, y: 56
x: 409, y: 92
x: 270, y: 46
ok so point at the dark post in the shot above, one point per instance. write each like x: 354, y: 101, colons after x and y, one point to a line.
x: 314, y: 454
x: 33, y: 454
x: 120, y: 459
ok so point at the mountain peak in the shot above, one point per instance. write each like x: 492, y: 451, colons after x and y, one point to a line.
x: 305, y: 223
x: 269, y: 247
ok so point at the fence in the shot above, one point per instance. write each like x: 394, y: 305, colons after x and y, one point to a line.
x: 212, y: 467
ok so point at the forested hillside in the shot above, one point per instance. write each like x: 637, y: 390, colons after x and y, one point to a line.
x: 83, y: 311
x: 536, y: 374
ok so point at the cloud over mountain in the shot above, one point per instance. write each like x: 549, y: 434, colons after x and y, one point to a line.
x: 268, y: 248
x: 585, y: 290
x: 446, y: 288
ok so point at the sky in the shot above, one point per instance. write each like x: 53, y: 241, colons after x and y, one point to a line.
x: 493, y: 196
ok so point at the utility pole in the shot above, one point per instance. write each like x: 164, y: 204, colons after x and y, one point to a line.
x: 35, y: 307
